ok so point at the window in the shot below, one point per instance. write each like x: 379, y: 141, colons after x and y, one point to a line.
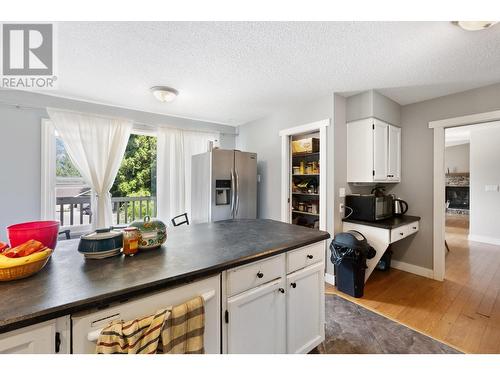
x: 67, y: 198
x: 72, y: 192
x: 133, y: 194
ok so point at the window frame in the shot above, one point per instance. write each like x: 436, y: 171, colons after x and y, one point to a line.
x: 49, y: 178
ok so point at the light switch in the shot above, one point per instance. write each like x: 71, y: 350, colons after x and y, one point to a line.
x: 342, y: 192
x: 491, y: 188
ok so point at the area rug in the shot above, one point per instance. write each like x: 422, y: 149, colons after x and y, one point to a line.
x: 352, y: 329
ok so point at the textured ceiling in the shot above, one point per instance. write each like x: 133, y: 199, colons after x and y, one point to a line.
x: 234, y: 72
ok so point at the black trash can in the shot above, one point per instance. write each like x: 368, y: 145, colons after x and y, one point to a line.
x: 349, y: 253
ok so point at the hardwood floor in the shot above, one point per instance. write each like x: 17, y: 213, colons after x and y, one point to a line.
x: 463, y: 311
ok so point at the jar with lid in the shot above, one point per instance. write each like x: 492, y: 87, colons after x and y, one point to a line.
x: 131, y: 237
x: 309, y: 168
x: 302, y: 206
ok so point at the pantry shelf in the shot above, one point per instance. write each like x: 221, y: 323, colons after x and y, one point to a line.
x: 304, y: 213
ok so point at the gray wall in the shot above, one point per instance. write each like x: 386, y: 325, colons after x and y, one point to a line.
x: 456, y: 158
x: 262, y: 137
x: 417, y: 162
x: 373, y: 104
x: 340, y: 163
x: 20, y: 135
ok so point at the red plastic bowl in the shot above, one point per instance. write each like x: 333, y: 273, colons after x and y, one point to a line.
x: 44, y: 231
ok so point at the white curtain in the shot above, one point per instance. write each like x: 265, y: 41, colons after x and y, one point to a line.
x: 175, y: 148
x: 96, y: 145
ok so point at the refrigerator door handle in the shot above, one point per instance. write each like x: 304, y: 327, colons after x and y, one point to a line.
x: 233, y: 187
x: 237, y: 206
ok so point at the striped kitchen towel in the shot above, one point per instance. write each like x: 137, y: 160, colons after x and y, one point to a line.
x: 184, y: 329
x: 138, y: 336
x: 177, y: 330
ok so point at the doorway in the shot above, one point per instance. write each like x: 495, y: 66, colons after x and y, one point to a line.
x: 457, y: 197
x: 482, y: 221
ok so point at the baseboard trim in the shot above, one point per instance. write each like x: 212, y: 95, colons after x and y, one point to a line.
x: 484, y: 239
x: 329, y: 278
x: 411, y: 268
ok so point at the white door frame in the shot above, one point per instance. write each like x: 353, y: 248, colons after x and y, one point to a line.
x: 439, y: 127
x: 285, y: 168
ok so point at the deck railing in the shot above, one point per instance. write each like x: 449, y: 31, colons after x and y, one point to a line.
x: 76, y: 210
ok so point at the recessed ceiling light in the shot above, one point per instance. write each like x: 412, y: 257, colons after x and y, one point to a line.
x: 164, y: 94
x: 474, y: 25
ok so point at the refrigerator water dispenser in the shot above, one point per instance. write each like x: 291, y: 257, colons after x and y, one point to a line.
x: 222, y: 192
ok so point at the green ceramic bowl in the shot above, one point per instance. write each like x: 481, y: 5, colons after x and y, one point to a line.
x: 153, y: 232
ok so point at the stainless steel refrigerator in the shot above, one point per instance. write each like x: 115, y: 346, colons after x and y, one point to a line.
x: 223, y: 186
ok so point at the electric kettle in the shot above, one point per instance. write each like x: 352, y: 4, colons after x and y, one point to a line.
x: 399, y: 207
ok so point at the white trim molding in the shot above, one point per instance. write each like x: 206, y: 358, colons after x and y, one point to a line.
x: 439, y: 211
x: 476, y: 118
x: 285, y: 167
x: 48, y: 171
x: 411, y: 268
x: 330, y: 279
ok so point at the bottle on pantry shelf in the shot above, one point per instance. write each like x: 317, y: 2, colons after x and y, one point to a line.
x: 315, y: 169
x: 302, y: 167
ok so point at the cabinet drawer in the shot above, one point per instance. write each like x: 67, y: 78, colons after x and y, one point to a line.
x: 412, y: 228
x: 86, y: 325
x: 305, y: 256
x: 249, y: 276
x: 399, y: 233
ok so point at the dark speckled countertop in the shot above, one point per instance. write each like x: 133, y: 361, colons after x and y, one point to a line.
x: 69, y: 283
x: 390, y: 223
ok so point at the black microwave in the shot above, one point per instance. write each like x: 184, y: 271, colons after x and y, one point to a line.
x: 368, y: 207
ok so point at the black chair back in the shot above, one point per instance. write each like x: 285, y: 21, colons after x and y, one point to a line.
x: 180, y: 220
x: 66, y: 233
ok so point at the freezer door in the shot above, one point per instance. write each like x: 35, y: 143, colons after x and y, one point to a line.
x: 222, y: 200
x: 245, y: 165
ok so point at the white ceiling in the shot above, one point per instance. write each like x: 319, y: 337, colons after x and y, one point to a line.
x: 457, y: 136
x: 234, y: 72
x: 462, y: 134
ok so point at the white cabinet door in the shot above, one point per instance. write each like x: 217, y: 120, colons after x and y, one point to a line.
x: 305, y: 309
x: 380, y: 149
x: 36, y: 339
x: 257, y: 320
x: 394, y: 163
x: 360, y: 151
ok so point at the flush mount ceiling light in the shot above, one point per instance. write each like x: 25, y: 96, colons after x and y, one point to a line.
x: 474, y: 25
x: 164, y: 94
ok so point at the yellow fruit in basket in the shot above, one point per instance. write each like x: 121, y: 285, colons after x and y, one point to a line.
x: 6, y: 262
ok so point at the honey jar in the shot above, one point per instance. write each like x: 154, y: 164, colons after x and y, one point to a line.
x: 131, y: 237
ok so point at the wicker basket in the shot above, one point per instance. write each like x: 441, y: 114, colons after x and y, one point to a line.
x: 22, y: 271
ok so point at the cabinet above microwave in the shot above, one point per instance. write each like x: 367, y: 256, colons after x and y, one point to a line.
x: 373, y: 151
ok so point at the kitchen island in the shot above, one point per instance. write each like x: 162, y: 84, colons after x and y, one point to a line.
x: 230, y: 250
